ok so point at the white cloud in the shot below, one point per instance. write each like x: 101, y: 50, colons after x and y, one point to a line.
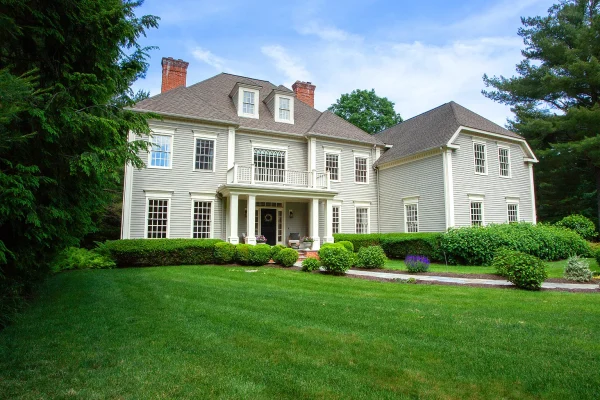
x: 325, y: 32
x: 292, y: 67
x: 209, y: 58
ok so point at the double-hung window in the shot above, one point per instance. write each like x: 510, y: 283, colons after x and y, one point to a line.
x: 504, y: 161
x: 332, y: 165
x: 513, y: 212
x: 248, y: 102
x: 360, y: 169
x: 362, y: 219
x: 480, y: 159
x: 202, y: 219
x: 205, y: 154
x: 157, y: 218
x: 335, y: 219
x: 476, y: 212
x: 411, y: 216
x: 284, y: 108
x: 160, y: 151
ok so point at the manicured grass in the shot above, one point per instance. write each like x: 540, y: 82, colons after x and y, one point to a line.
x: 221, y: 332
x: 555, y: 269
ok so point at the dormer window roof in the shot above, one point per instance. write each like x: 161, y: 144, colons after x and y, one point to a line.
x: 281, y: 104
x: 246, y: 99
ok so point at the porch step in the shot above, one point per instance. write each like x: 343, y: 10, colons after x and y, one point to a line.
x: 302, y: 254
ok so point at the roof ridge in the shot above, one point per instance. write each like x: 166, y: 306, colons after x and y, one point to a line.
x: 247, y: 77
x: 416, y: 116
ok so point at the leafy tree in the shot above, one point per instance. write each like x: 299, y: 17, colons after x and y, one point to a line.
x: 66, y: 68
x: 555, y: 98
x: 366, y: 110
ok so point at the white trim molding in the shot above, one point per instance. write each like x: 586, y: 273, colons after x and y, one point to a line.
x: 127, y: 196
x: 532, y: 193
x: 230, y: 147
x: 448, y: 188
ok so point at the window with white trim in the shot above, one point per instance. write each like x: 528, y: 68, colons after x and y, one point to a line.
x: 269, y: 165
x: 160, y: 151
x: 362, y: 220
x: 512, y: 212
x: 476, y: 213
x: 332, y: 165
x: 504, y: 161
x: 360, y: 169
x: 248, y: 102
x: 335, y: 219
x: 157, y: 218
x: 284, y: 108
x: 202, y: 219
x: 411, y: 217
x: 205, y: 154
x: 480, y: 162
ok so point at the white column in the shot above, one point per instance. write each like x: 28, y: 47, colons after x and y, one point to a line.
x: 328, y: 221
x: 250, y: 238
x: 233, y: 219
x: 533, y: 210
x: 314, y: 223
x: 230, y: 147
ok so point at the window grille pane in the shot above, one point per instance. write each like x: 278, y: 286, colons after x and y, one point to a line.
x: 202, y: 219
x: 412, y: 220
x: 513, y: 212
x: 248, y: 106
x: 362, y: 220
x: 284, y: 108
x: 476, y: 213
x: 479, y: 150
x: 335, y: 219
x: 205, y: 153
x: 360, y: 169
x: 504, y: 160
x: 160, y: 151
x: 157, y: 218
x: 332, y: 166
x: 270, y: 165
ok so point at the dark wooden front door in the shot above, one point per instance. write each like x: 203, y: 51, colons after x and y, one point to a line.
x: 268, y: 225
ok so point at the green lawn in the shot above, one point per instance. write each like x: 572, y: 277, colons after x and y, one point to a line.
x: 555, y: 269
x: 221, y: 332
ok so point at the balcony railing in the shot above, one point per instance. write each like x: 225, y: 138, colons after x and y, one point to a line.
x: 278, y: 177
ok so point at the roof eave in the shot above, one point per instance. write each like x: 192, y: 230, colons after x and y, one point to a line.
x: 341, y: 139
x: 188, y: 117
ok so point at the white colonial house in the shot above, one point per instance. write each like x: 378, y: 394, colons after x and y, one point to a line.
x: 235, y: 157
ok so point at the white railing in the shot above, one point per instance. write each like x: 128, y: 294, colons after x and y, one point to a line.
x: 279, y: 177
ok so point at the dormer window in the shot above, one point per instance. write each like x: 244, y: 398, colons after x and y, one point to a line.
x: 249, y: 105
x: 284, y: 108
x: 246, y: 98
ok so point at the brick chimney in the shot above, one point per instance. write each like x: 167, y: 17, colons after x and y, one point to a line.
x: 305, y: 92
x: 174, y: 73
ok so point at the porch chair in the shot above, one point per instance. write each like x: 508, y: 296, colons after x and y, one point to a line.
x: 294, y: 240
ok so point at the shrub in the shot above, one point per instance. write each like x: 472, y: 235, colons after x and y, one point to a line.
x: 337, y: 260
x: 152, y: 252
x: 260, y: 254
x: 275, y: 251
x: 371, y: 257
x: 401, y: 245
x: 287, y: 257
x: 580, y: 224
x: 76, y: 258
x: 417, y: 263
x: 310, y: 264
x: 348, y: 245
x: 242, y: 253
x: 337, y: 245
x: 224, y: 253
x: 578, y: 270
x: 477, y: 245
x: 524, y: 270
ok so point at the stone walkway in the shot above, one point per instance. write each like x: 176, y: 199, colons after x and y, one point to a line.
x: 465, y: 281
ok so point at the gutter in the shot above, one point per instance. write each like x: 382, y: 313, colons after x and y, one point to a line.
x: 183, y: 116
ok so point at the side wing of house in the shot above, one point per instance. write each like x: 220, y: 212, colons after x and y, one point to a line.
x: 492, y: 181
x: 412, y: 196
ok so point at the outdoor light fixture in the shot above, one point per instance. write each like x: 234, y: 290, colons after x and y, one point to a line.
x: 291, y: 214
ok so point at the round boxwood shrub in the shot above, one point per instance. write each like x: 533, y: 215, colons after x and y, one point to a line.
x: 242, y: 254
x: 260, y: 254
x: 224, y: 253
x: 348, y: 245
x: 524, y: 270
x: 310, y: 264
x: 275, y: 251
x: 371, y: 257
x: 287, y: 257
x: 336, y: 259
x: 578, y: 270
x: 580, y: 224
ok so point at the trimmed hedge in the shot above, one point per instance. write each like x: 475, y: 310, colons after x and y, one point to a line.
x: 310, y: 264
x: 348, y: 245
x: 336, y: 259
x: 477, y: 245
x: 524, y: 270
x: 242, y: 253
x: 275, y: 251
x: 287, y: 257
x: 396, y: 245
x: 584, y: 226
x: 371, y: 257
x: 260, y: 254
x: 224, y: 253
x: 153, y: 252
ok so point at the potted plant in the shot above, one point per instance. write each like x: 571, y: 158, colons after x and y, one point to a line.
x: 260, y: 239
x: 307, y: 242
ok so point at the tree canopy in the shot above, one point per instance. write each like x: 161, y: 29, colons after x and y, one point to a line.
x: 366, y: 110
x: 66, y: 69
x: 555, y: 98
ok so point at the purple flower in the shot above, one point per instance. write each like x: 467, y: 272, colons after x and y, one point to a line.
x: 416, y: 263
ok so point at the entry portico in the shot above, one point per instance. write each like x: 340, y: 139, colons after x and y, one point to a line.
x: 275, y: 212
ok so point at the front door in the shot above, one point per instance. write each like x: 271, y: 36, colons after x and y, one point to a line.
x: 268, y: 225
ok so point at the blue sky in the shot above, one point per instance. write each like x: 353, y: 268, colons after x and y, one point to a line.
x: 419, y: 54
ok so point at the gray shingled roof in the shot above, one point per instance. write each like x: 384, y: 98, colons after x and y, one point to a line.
x: 210, y: 99
x: 432, y: 129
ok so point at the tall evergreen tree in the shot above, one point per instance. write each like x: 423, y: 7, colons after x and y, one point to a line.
x: 556, y: 99
x: 66, y: 68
